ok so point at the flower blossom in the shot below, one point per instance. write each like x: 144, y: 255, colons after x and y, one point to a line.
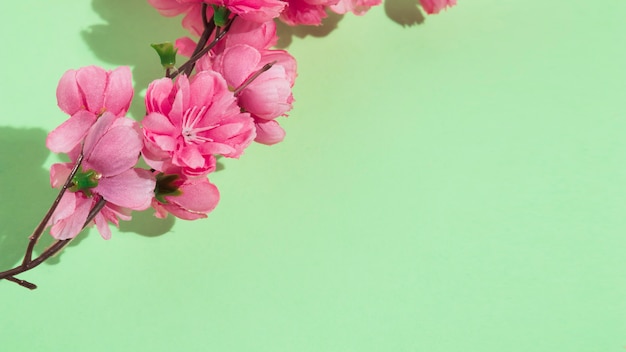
x: 192, y: 120
x: 268, y: 95
x: 251, y: 10
x: 434, y: 6
x: 110, y: 151
x: 307, y: 12
x: 357, y: 7
x: 238, y: 59
x: 85, y: 94
x: 184, y: 197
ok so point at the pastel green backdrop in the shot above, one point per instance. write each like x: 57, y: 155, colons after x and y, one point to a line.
x: 457, y: 185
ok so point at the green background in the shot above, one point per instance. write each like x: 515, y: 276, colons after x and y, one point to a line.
x: 453, y: 185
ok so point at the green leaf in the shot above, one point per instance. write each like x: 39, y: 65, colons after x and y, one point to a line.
x: 166, y: 185
x: 220, y: 15
x: 167, y: 53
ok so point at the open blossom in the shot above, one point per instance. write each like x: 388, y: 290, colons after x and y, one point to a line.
x: 184, y: 197
x: 250, y: 10
x: 269, y: 94
x: 110, y: 151
x: 85, y: 94
x: 434, y: 6
x: 192, y: 120
x: 307, y: 12
x: 358, y: 7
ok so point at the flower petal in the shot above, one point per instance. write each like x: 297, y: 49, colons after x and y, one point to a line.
x: 113, y: 151
x: 132, y: 189
x: 119, y: 91
x: 66, y: 227
x: 92, y: 82
x: 71, y: 132
x: 69, y: 98
x: 268, y: 132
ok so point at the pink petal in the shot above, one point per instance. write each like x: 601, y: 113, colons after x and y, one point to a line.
x: 181, y: 101
x: 197, y: 197
x: 59, y: 174
x: 119, y: 91
x: 284, y: 59
x: 103, y: 226
x: 158, y: 94
x: 92, y: 82
x: 268, y: 132
x: 69, y: 98
x: 65, y: 208
x: 207, y: 88
x: 170, y: 8
x: 71, y: 132
x: 111, y: 151
x: 132, y: 189
x: 70, y: 226
x: 158, y: 123
x: 191, y: 157
x: 238, y: 63
x: 186, y: 45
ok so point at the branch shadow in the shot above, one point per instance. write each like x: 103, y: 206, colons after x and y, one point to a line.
x: 26, y: 193
x: 406, y: 13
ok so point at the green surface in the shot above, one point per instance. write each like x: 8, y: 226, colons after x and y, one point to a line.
x: 458, y: 185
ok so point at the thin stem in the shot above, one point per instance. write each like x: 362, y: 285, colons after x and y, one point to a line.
x: 32, y: 241
x: 22, y: 283
x: 253, y: 77
x: 49, y: 252
x: 199, y: 54
x: 209, y: 26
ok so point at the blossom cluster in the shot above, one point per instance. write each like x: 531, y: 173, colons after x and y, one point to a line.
x: 230, y: 93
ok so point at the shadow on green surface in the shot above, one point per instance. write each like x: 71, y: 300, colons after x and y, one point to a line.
x: 26, y: 196
x: 404, y: 12
x: 26, y: 193
x: 132, y: 25
x: 144, y: 223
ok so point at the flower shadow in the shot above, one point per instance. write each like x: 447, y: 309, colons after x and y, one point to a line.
x: 132, y: 25
x: 26, y: 193
x: 404, y: 12
x: 286, y: 33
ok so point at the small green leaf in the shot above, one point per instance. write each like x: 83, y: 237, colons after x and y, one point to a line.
x: 84, y: 181
x: 167, y: 53
x: 220, y: 15
x: 166, y: 185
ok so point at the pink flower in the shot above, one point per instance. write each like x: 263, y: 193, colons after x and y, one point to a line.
x: 110, y: 151
x: 302, y: 12
x: 85, y: 94
x: 268, y: 95
x: 434, y: 6
x: 183, y: 197
x: 251, y: 10
x: 358, y: 7
x: 268, y: 132
x: 190, y: 121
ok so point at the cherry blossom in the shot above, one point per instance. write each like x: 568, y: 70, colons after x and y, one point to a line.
x: 192, y: 120
x: 358, y: 7
x: 111, y: 150
x: 434, y: 6
x: 184, y: 197
x: 85, y: 94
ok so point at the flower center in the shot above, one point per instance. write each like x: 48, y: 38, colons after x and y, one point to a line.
x: 190, y: 129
